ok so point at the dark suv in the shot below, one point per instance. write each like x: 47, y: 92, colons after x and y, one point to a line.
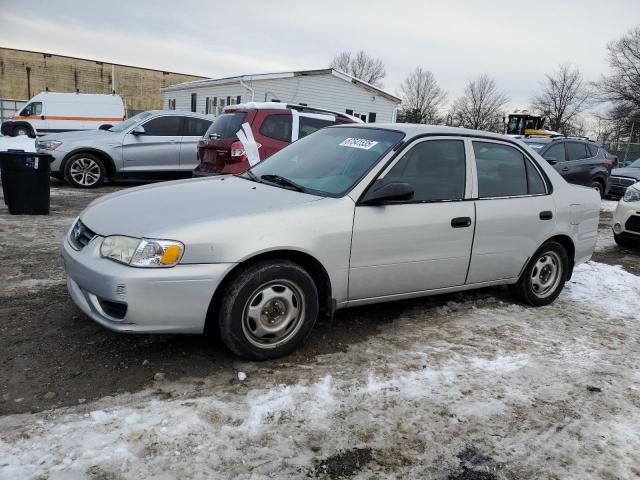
x: 274, y: 126
x: 579, y: 161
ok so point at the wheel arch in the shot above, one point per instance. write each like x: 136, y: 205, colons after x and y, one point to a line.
x: 567, y: 243
x: 311, y: 264
x: 8, y: 127
x: 109, y: 164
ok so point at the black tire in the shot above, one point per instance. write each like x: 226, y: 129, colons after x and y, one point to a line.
x: 526, y: 288
x: 84, y: 170
x: 599, y: 186
x: 241, y: 333
x: 21, y: 130
x: 625, y: 242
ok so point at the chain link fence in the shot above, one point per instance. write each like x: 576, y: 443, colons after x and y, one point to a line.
x: 626, y: 152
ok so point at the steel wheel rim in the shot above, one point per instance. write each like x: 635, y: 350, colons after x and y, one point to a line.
x: 85, y: 171
x: 546, y: 274
x: 273, y: 314
x: 597, y: 187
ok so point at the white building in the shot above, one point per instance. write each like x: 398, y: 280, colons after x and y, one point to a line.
x: 327, y: 89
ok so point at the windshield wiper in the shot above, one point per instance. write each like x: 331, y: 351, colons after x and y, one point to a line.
x: 251, y: 176
x: 285, y: 182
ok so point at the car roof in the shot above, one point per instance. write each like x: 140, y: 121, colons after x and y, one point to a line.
x: 181, y: 113
x: 414, y: 130
x: 285, y: 106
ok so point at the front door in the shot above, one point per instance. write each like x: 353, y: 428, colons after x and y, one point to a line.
x: 157, y: 149
x: 420, y: 244
x: 514, y: 212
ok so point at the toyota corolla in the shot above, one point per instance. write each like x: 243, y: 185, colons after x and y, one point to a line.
x: 349, y: 215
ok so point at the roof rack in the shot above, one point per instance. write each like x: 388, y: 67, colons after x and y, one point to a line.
x: 292, y: 106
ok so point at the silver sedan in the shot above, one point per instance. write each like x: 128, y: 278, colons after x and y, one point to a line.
x: 350, y: 215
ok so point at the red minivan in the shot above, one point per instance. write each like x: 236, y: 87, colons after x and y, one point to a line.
x: 272, y: 124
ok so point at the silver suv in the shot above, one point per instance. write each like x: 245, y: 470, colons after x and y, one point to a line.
x: 155, y: 144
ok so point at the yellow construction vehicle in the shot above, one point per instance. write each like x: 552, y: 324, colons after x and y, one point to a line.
x: 522, y: 123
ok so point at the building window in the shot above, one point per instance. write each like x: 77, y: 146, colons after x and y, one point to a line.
x: 206, y: 105
x: 238, y: 99
x: 372, y: 117
x: 228, y: 100
x: 348, y: 111
x: 194, y: 101
x: 172, y: 104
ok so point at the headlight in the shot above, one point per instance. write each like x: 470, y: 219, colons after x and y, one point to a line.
x: 143, y: 252
x: 631, y: 195
x: 48, y: 144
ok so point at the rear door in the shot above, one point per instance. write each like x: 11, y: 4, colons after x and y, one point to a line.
x: 158, y: 149
x: 423, y: 243
x: 577, y: 165
x: 514, y: 211
x: 193, y: 129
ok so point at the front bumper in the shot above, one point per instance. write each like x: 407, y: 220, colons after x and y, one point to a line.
x: 156, y: 300
x: 626, y: 219
x: 58, y: 156
x: 616, y: 190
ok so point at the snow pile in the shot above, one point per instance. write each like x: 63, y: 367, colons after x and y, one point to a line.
x: 608, y: 206
x: 21, y: 142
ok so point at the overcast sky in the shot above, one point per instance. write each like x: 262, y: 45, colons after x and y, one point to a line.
x: 455, y: 39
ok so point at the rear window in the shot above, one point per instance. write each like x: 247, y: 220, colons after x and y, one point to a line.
x: 195, y: 127
x: 277, y: 127
x: 576, y: 151
x: 226, y: 125
x: 309, y: 125
x: 593, y: 150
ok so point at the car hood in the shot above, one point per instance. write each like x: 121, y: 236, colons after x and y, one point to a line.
x: 149, y: 210
x: 626, y: 172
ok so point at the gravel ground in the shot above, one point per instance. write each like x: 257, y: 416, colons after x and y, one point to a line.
x: 464, y: 386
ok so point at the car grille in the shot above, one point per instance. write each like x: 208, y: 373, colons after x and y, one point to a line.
x: 623, y: 181
x: 633, y: 223
x: 80, y: 235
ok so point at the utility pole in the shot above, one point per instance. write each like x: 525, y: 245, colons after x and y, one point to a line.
x: 113, y: 79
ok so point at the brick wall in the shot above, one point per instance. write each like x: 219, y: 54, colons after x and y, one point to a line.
x: 21, y: 71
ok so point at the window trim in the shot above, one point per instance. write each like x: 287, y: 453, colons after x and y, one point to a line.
x: 469, y: 173
x: 545, y: 179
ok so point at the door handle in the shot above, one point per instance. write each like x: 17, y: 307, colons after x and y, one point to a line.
x: 565, y: 169
x: 546, y: 215
x: 461, y: 222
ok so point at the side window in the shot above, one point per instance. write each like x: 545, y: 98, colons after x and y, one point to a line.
x: 534, y: 180
x: 277, y: 127
x: 169, y: 126
x: 501, y: 170
x: 555, y: 153
x: 32, y: 109
x: 576, y: 151
x: 309, y: 125
x: 435, y: 168
x: 593, y: 150
x: 195, y: 127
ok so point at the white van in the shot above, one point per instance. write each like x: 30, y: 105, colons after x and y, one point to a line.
x: 50, y: 112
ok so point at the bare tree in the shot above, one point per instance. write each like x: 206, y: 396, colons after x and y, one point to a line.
x: 480, y: 107
x: 422, y: 98
x: 563, y: 96
x: 361, y: 65
x: 622, y: 85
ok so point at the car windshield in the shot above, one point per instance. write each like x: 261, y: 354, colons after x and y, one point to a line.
x: 226, y: 125
x: 330, y: 161
x: 635, y: 163
x: 119, y: 127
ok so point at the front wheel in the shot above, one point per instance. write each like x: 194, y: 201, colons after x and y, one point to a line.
x: 545, y: 275
x: 268, y: 309
x: 598, y: 187
x: 21, y: 131
x: 84, y: 170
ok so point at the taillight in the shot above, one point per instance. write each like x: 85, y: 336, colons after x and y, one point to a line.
x: 237, y: 151
x: 608, y: 162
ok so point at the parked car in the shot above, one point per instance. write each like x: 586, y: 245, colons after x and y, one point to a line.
x: 626, y: 218
x: 622, y: 178
x: 350, y: 215
x: 272, y: 125
x: 154, y: 145
x: 579, y: 161
x: 59, y: 112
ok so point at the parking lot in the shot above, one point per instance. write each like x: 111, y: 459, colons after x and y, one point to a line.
x: 462, y: 386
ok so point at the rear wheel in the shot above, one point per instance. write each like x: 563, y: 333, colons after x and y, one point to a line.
x: 598, y: 186
x: 21, y: 131
x: 545, y: 275
x: 84, y: 170
x: 268, y: 309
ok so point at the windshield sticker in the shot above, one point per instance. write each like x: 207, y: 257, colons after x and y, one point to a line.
x: 361, y: 143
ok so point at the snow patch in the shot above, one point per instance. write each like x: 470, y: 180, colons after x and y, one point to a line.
x: 21, y: 142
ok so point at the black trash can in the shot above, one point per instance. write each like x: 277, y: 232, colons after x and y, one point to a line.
x: 25, y: 182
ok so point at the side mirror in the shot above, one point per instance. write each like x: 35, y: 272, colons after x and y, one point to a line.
x: 139, y: 130
x: 394, y: 191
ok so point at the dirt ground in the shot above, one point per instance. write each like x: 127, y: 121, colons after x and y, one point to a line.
x: 463, y: 386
